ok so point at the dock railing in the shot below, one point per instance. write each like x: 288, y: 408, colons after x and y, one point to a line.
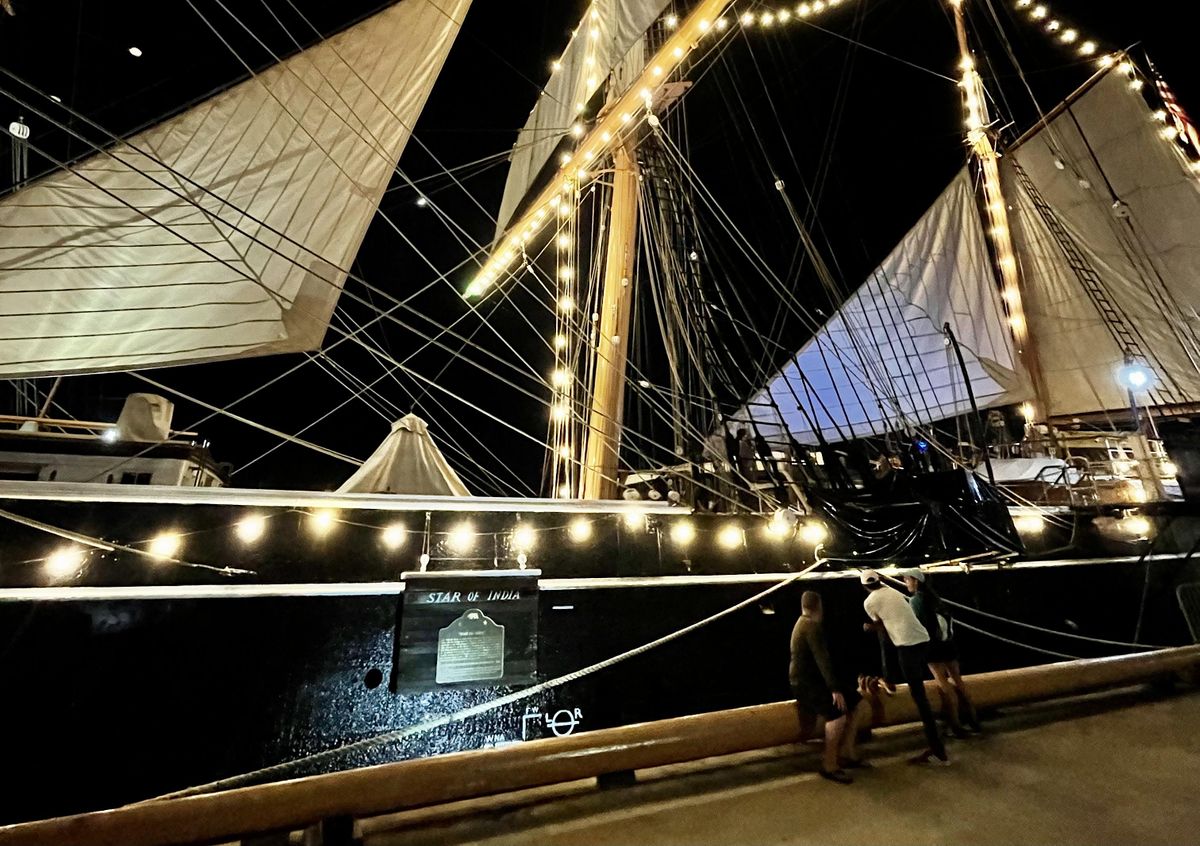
x: 372, y: 791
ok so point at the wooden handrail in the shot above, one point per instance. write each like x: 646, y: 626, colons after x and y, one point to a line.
x: 371, y: 791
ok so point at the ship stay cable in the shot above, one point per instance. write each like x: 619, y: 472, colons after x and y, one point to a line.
x: 286, y: 768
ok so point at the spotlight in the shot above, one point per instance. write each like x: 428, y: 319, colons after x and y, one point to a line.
x: 250, y: 528
x: 166, y: 545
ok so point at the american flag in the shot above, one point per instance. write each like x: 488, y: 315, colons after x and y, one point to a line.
x: 1187, y: 130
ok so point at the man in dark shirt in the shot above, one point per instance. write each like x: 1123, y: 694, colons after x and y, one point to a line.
x: 820, y: 692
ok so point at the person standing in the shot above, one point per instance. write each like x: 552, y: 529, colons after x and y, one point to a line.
x: 819, y: 692
x: 888, y: 609
x: 943, y: 652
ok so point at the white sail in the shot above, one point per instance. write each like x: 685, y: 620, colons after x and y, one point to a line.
x: 882, y: 359
x: 230, y: 233
x: 1130, y: 209
x: 610, y: 30
x: 407, y: 462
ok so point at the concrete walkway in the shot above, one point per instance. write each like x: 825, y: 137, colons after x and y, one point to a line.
x: 1118, y: 768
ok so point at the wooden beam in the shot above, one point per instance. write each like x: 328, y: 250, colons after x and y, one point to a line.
x: 381, y: 789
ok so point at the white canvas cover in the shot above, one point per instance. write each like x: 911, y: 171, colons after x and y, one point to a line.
x: 145, y: 417
x: 1145, y: 250
x: 885, y: 346
x: 109, y: 268
x: 407, y: 462
x: 588, y: 59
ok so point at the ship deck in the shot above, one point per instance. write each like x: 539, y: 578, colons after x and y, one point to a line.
x: 1119, y: 767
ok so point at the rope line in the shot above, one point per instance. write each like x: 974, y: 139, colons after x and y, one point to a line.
x: 286, y: 767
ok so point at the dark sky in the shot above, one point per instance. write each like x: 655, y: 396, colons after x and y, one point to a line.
x: 874, y: 137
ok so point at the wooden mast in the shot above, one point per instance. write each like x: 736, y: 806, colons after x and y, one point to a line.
x: 1012, y: 285
x: 612, y: 346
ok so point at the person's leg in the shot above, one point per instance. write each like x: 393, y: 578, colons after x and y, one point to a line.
x: 856, y: 719
x: 947, y: 694
x: 912, y: 664
x: 834, y: 729
x: 960, y: 687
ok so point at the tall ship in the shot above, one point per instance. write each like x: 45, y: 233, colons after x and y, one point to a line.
x: 720, y: 419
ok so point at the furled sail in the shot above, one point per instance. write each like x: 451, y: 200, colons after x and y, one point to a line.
x: 608, y: 33
x: 1106, y: 224
x: 225, y: 231
x: 882, y: 360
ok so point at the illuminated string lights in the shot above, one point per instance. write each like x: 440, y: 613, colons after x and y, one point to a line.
x: 166, y: 545
x: 64, y: 562
x: 786, y: 14
x: 250, y: 528
x: 731, y: 537
x: 1061, y: 31
x: 461, y: 538
x: 394, y: 536
x: 580, y: 530
x: 683, y: 533
x: 322, y: 521
x: 684, y: 34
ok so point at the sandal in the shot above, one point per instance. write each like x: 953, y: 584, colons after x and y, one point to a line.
x: 840, y: 776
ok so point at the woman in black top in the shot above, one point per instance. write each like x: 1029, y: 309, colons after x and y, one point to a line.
x: 943, y: 652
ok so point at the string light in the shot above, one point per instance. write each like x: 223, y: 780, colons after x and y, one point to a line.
x: 566, y: 304
x: 634, y: 519
x: 560, y: 378
x: 250, y: 528
x: 560, y: 412
x: 731, y: 536
x: 166, y: 545
x: 1060, y: 30
x: 393, y: 536
x: 683, y: 533
x: 564, y: 492
x: 64, y: 562
x: 560, y: 341
x: 523, y: 538
x: 322, y: 521
x: 461, y: 538
x: 580, y: 530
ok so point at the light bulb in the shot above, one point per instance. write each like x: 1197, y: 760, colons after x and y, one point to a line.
x: 560, y: 341
x: 166, y: 545
x: 566, y: 304
x: 813, y: 533
x: 580, y: 529
x: 560, y: 412
x: 393, y: 536
x: 461, y: 538
x: 322, y: 521
x: 730, y: 537
x: 634, y: 519
x: 63, y: 562
x: 1030, y: 524
x: 564, y: 492
x: 523, y: 538
x: 560, y: 378
x: 683, y: 533
x: 250, y: 528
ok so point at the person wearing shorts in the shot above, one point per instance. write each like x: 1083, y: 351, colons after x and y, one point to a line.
x: 820, y: 694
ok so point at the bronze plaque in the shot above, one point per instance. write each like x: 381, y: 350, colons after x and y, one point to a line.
x: 470, y: 649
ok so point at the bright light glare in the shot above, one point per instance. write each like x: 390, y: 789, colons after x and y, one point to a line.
x: 580, y: 529
x: 63, y: 562
x: 321, y: 521
x: 461, y: 538
x: 634, y: 519
x: 730, y: 537
x: 523, y: 538
x: 109, y: 436
x: 683, y: 533
x: 251, y: 528
x: 1137, y: 526
x: 166, y: 545
x: 1030, y: 524
x: 394, y: 536
x: 136, y: 52
x: 813, y: 533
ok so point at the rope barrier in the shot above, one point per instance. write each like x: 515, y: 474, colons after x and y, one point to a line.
x: 1044, y: 630
x: 1018, y: 643
x: 283, y: 769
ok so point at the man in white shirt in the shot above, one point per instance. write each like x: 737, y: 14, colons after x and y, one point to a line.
x: 889, y: 609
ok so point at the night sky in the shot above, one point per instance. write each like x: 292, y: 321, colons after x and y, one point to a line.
x: 873, y: 138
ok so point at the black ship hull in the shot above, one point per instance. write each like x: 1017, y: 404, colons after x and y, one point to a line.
x: 121, y: 688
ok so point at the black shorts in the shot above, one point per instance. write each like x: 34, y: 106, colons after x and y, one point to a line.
x: 817, y: 701
x: 942, y: 651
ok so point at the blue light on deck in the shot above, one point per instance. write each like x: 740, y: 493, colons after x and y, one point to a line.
x: 1135, y: 377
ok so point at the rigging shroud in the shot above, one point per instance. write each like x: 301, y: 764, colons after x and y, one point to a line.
x: 276, y: 179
